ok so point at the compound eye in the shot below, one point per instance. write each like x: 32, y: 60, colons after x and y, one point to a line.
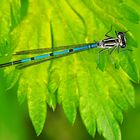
x: 123, y: 45
x: 119, y: 33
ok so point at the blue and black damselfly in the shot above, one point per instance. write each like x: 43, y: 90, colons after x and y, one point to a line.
x: 48, y: 54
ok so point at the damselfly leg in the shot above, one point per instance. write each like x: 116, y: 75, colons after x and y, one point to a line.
x: 118, y: 49
x: 99, y: 54
x: 111, y: 52
x: 109, y: 32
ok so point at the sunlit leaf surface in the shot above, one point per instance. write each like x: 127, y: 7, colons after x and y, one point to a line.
x: 100, y: 92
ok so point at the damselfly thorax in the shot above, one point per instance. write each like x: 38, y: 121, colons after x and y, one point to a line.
x: 108, y: 43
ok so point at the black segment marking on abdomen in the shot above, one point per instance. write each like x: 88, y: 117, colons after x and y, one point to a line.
x: 70, y: 50
x: 32, y: 58
x: 51, y: 54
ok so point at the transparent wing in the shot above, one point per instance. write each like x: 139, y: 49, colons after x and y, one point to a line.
x: 43, y: 50
x: 34, y: 62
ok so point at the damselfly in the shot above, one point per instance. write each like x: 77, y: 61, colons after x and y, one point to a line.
x: 48, y: 54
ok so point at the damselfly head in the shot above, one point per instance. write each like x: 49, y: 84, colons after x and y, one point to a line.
x: 122, y: 39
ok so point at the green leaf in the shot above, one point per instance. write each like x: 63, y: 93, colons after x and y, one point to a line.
x: 36, y: 95
x: 127, y: 63
x: 129, y: 13
x: 53, y: 84
x: 69, y: 96
x: 100, y: 94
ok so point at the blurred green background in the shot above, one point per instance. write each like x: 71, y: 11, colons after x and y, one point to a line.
x: 15, y: 123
